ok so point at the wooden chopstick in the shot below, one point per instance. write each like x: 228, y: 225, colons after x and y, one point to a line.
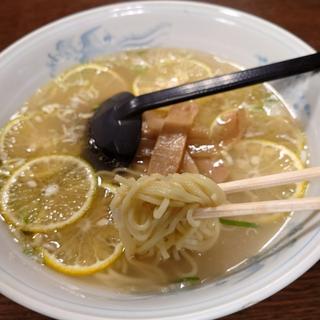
x: 270, y: 180
x: 262, y: 207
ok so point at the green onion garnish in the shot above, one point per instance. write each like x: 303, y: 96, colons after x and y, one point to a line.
x: 28, y: 251
x: 190, y: 280
x: 26, y: 219
x: 238, y: 223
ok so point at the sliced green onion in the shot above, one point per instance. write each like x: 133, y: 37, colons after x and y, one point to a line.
x: 190, y: 280
x: 238, y: 223
x: 28, y: 251
x: 26, y: 219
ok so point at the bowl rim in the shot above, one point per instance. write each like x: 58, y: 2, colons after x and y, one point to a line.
x: 310, y: 258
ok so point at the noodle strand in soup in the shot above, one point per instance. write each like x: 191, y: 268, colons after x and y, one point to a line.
x: 154, y: 214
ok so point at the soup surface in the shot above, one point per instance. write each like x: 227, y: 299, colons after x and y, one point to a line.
x: 58, y: 206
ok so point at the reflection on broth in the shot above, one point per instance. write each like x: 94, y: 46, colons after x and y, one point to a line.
x: 132, y: 229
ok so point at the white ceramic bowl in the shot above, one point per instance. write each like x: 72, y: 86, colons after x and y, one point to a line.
x: 236, y: 36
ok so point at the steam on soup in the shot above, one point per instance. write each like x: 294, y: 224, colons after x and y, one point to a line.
x: 134, y: 229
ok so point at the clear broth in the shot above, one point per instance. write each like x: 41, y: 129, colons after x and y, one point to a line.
x: 67, y: 102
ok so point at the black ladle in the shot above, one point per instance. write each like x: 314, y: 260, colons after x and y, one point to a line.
x: 115, y: 128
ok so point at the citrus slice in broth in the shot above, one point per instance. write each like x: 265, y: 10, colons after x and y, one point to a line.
x: 48, y: 193
x: 87, y: 246
x: 278, y: 128
x: 170, y: 74
x: 90, y: 84
x: 253, y: 158
x: 7, y: 167
x: 39, y: 134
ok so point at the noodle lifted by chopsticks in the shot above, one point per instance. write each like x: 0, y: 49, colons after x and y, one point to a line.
x: 154, y: 214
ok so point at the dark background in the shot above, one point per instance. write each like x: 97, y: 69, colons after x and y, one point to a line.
x: 299, y: 301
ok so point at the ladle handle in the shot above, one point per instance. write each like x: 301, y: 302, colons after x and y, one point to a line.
x: 222, y: 83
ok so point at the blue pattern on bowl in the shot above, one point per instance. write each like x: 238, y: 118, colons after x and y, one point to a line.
x: 262, y: 60
x: 99, y: 41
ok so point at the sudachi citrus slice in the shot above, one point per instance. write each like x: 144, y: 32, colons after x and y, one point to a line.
x: 280, y: 128
x: 40, y: 134
x: 88, y: 245
x: 170, y: 74
x: 48, y: 193
x: 252, y: 158
x: 89, y: 84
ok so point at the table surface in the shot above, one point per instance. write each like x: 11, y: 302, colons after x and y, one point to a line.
x: 300, y: 300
